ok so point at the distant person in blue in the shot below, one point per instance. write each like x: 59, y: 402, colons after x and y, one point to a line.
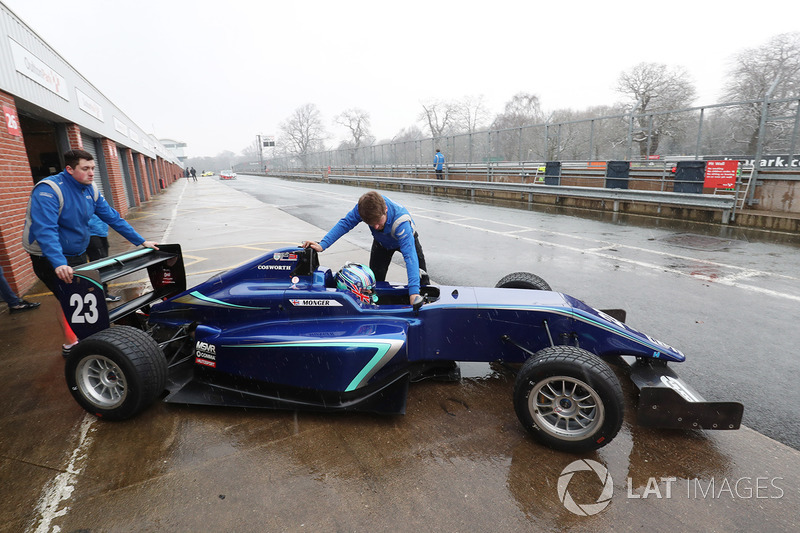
x: 98, y: 247
x: 392, y: 229
x: 15, y: 303
x: 438, y: 164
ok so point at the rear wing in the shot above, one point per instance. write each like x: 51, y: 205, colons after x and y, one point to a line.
x: 83, y: 300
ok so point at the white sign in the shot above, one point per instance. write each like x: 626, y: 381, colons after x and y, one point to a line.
x: 120, y: 126
x: 89, y: 105
x: 34, y: 68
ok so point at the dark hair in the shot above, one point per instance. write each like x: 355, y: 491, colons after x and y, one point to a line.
x: 72, y: 157
x: 371, y: 207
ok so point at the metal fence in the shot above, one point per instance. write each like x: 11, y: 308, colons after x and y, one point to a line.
x: 754, y: 129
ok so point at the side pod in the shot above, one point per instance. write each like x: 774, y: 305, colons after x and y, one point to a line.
x: 666, y: 401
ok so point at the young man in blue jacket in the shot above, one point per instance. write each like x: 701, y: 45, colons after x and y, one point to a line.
x: 438, y: 164
x: 56, y: 230
x: 392, y: 229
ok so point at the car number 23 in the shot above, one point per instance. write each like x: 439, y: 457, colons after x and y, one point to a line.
x: 85, y: 309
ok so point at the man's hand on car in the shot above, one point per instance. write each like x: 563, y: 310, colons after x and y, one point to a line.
x: 313, y: 245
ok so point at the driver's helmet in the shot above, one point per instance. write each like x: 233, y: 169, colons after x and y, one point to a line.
x: 357, y: 279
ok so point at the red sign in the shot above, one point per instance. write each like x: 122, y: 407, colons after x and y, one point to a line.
x: 721, y: 174
x: 12, y: 121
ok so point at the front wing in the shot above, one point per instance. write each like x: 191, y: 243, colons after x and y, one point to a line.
x: 666, y: 401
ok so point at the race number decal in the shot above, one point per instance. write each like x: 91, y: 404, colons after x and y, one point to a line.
x: 85, y: 309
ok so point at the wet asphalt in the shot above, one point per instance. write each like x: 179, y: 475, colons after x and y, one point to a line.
x: 457, y: 461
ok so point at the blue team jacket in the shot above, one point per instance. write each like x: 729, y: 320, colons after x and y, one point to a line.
x: 438, y: 160
x: 397, y: 234
x: 55, y: 235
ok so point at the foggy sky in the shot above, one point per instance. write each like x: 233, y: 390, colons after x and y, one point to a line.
x: 216, y: 74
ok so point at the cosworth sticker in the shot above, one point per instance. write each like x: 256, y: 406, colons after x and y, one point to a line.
x: 315, y: 303
x: 274, y: 267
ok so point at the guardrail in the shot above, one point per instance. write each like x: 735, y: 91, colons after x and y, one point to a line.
x: 722, y: 203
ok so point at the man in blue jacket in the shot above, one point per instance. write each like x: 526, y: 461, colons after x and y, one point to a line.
x: 56, y: 230
x: 392, y: 229
x: 438, y: 164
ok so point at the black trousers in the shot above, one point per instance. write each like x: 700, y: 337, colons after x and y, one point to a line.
x: 45, y: 271
x: 380, y: 258
x: 98, y: 248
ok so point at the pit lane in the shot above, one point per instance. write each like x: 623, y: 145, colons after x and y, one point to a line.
x: 458, y: 460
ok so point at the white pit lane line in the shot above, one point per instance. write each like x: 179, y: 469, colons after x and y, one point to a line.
x: 54, y: 501
x: 174, y: 216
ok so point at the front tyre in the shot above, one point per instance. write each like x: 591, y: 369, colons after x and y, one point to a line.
x: 569, y: 399
x: 523, y: 280
x: 116, y: 373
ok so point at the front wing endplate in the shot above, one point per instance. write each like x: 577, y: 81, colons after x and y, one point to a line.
x: 666, y: 401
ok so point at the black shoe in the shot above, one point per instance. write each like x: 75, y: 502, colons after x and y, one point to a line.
x: 110, y: 298
x: 23, y: 305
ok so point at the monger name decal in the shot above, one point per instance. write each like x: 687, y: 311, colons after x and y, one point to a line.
x: 315, y: 303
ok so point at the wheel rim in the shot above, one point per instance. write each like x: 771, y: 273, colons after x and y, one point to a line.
x: 566, y: 407
x: 101, y: 381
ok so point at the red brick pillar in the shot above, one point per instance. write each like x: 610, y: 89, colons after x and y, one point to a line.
x: 16, y: 183
x: 115, y: 178
x: 161, y: 172
x: 74, y: 137
x: 148, y: 192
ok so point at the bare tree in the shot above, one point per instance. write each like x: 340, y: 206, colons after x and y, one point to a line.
x: 516, y: 138
x: 411, y: 133
x: 653, y: 88
x: 357, y: 123
x: 303, y: 131
x: 523, y: 109
x: 469, y: 114
x: 438, y: 116
x: 776, y: 66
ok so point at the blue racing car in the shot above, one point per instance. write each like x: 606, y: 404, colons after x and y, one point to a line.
x: 282, y: 332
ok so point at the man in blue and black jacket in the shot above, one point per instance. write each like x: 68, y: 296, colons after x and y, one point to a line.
x: 392, y: 229
x: 56, y: 230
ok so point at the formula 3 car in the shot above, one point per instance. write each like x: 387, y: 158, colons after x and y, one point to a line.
x: 277, y: 333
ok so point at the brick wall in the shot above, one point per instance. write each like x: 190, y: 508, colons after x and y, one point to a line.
x: 115, y: 178
x: 16, y: 183
x: 74, y: 137
x: 148, y: 192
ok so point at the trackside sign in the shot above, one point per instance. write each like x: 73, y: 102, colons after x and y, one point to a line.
x: 721, y: 174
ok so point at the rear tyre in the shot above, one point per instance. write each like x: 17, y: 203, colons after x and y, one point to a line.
x: 523, y: 280
x: 569, y: 399
x: 116, y: 373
